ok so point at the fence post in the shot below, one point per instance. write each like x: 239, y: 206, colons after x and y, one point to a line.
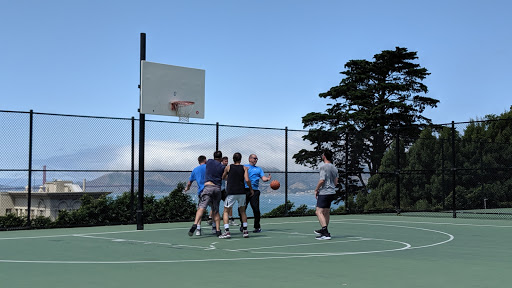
x: 217, y: 136
x: 142, y: 132
x: 132, y: 172
x: 29, y: 186
x: 286, y: 171
x: 443, y: 190
x: 397, y: 171
x: 454, y: 171
x: 482, y: 186
x: 347, y: 194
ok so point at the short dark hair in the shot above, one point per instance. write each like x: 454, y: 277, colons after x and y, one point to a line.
x: 237, y: 157
x: 201, y: 159
x: 217, y: 155
x: 225, y: 158
x: 328, y: 155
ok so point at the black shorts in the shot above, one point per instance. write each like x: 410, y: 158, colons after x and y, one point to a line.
x: 324, y: 201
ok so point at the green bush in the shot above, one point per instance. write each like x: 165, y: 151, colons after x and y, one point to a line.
x: 302, y: 210
x: 280, y: 210
x: 12, y: 221
x: 106, y: 210
x: 42, y: 222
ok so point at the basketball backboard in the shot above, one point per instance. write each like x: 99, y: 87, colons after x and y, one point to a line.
x: 162, y: 85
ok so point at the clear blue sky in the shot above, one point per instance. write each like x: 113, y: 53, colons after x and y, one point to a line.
x: 265, y: 61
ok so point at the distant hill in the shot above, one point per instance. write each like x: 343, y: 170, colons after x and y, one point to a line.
x: 164, y: 182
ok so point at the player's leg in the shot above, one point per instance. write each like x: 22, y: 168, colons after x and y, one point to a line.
x: 243, y: 216
x: 323, y: 207
x: 321, y: 216
x: 203, y: 202
x: 215, y: 208
x: 228, y: 206
x: 255, y: 205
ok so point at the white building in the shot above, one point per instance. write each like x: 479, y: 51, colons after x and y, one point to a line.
x: 51, y: 198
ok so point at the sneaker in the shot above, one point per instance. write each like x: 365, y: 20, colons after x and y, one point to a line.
x: 256, y: 230
x: 225, y: 235
x: 246, y: 234
x: 218, y: 233
x: 233, y: 223
x: 326, y: 236
x: 241, y: 228
x: 191, y: 231
x: 198, y: 232
x: 210, y: 222
x: 214, y: 231
x: 318, y: 232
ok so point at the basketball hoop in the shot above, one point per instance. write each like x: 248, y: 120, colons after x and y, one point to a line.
x: 183, y: 109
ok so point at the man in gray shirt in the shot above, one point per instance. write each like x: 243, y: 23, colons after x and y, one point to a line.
x: 325, y: 193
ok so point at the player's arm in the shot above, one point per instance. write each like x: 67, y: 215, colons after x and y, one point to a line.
x: 320, y: 184
x: 225, y: 174
x: 188, y: 186
x: 265, y: 178
x: 247, y: 180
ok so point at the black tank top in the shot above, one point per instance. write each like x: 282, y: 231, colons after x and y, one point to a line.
x: 235, y: 182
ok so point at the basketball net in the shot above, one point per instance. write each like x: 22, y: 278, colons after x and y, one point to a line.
x: 183, y: 109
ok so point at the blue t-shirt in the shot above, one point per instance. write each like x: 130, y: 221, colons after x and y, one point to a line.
x: 198, y: 176
x: 214, y: 170
x: 255, y: 173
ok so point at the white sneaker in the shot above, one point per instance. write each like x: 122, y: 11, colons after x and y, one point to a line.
x: 198, y: 232
x: 225, y: 235
x: 326, y: 236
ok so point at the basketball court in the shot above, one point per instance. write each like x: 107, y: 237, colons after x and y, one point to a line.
x: 365, y: 251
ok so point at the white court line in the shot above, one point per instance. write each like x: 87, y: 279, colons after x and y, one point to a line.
x: 424, y: 222
x: 141, y: 241
x: 295, y: 245
x: 93, y: 233
x: 406, y: 246
x: 212, y: 246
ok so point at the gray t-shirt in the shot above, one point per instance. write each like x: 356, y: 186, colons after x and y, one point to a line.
x: 329, y: 173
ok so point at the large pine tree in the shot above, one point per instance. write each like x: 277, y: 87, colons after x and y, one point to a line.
x: 373, y: 98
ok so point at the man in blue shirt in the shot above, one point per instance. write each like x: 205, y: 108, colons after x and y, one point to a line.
x: 198, y: 176
x: 211, y: 192
x: 255, y: 174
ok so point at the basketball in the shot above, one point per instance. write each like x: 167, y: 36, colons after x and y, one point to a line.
x: 275, y: 184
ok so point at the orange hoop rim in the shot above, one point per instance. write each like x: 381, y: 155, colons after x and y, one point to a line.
x: 176, y: 104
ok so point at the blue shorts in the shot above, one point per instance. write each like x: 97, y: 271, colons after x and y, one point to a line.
x: 324, y: 201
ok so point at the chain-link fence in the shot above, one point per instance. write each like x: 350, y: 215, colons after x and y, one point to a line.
x: 63, y: 158
x: 71, y: 161
x: 452, y: 170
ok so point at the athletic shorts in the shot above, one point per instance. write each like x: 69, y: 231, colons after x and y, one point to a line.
x: 232, y: 199
x: 210, y: 197
x: 324, y: 201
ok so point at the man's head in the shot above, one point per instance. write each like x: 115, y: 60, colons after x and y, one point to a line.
x: 217, y: 155
x: 225, y: 160
x: 237, y: 157
x: 328, y: 155
x: 253, y: 159
x: 201, y: 159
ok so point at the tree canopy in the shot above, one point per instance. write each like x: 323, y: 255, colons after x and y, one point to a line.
x: 372, y: 99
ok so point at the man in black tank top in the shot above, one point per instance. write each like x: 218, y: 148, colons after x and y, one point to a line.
x: 236, y: 175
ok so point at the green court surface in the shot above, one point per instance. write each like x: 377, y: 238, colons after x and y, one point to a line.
x: 365, y: 251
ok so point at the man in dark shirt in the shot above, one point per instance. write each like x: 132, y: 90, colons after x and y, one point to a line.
x: 236, y: 175
x: 211, y: 193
